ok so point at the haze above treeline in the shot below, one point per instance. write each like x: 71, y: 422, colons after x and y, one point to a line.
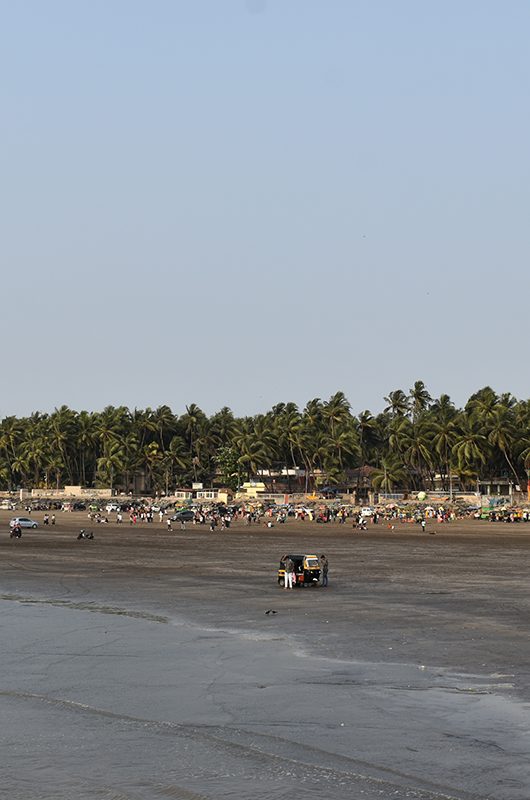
x: 414, y: 438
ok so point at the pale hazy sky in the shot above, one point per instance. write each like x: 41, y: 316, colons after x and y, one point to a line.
x: 241, y: 203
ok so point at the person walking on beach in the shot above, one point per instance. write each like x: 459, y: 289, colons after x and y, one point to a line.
x: 53, y: 519
x: 169, y: 525
x: 324, y: 566
x: 288, y: 566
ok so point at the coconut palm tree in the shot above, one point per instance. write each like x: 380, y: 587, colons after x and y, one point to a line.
x: 503, y: 433
x: 152, y: 457
x: 223, y: 426
x: 482, y: 404
x: 398, y: 404
x: 165, y: 423
x: 87, y: 437
x: 444, y: 436
x: 419, y: 399
x: 340, y: 444
x: 111, y: 463
x: 11, y: 430
x: 471, y: 446
x: 336, y: 411
x: 368, y: 434
x: 20, y: 468
x: 389, y: 474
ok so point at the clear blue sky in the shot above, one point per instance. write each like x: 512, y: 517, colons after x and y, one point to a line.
x: 238, y: 203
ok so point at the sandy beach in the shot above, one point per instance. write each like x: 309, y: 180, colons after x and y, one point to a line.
x: 142, y: 664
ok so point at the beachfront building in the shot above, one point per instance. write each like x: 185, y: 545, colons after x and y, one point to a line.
x: 202, y: 495
x: 183, y: 494
x: 498, y: 489
x: 446, y: 483
x: 498, y: 486
x: 284, y: 479
x: 251, y: 490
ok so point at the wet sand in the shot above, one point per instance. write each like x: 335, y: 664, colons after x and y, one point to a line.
x: 142, y: 664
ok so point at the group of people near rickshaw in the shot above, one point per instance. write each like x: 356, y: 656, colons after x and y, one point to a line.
x: 303, y: 570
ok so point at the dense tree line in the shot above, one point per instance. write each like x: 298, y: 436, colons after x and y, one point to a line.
x: 413, y: 439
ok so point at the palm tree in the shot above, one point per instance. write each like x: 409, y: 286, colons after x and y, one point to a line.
x: 255, y: 443
x: 503, y: 434
x: 54, y: 464
x: 223, y: 426
x: 419, y: 398
x: 398, y: 404
x: 21, y: 467
x: 191, y: 422
x: 132, y: 458
x: 470, y: 448
x: 36, y: 452
x: 367, y: 432
x: 10, y: 433
x: 111, y: 463
x: 482, y: 404
x: 86, y: 440
x: 153, y: 459
x: 62, y: 431
x: 336, y: 411
x: 444, y: 437
x: 177, y: 457
x: 343, y: 442
x: 145, y: 426
x: 165, y: 423
x: 388, y: 475
x: 418, y: 453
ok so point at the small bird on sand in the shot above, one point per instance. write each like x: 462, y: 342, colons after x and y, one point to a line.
x: 271, y: 611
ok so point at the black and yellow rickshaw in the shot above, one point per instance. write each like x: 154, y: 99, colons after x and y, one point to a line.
x: 306, y: 569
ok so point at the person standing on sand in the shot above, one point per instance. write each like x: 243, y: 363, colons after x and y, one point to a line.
x: 288, y: 566
x: 169, y: 525
x: 324, y: 566
x: 53, y: 519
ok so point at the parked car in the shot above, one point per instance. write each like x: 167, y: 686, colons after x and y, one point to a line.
x: 112, y: 507
x: 367, y: 511
x: 23, y: 522
x: 183, y: 516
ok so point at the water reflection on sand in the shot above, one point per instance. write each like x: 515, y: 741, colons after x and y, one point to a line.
x: 104, y: 701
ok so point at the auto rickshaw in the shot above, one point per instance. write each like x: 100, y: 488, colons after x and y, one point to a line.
x: 306, y: 570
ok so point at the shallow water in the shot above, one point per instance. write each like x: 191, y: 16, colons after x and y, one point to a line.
x: 109, y: 701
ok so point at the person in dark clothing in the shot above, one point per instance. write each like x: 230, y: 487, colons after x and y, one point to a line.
x: 16, y: 531
x: 324, y: 566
